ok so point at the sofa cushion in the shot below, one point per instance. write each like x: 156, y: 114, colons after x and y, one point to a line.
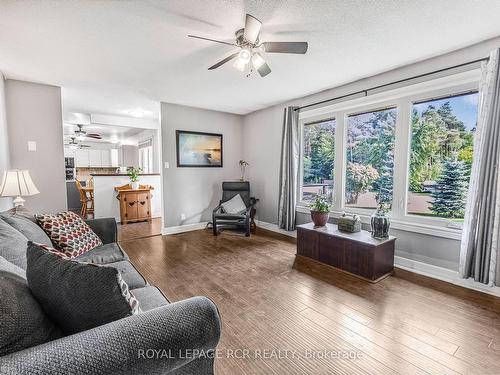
x: 69, y: 233
x: 77, y: 296
x: 149, y: 297
x: 131, y: 276
x: 23, y: 221
x: 23, y: 322
x: 12, y: 245
x: 107, y: 253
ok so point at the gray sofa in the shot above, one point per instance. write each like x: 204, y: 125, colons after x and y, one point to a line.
x: 165, y: 338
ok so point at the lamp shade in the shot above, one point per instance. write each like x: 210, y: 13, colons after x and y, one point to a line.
x: 17, y: 183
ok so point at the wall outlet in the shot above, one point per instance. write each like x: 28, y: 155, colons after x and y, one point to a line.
x: 183, y: 216
x: 31, y: 146
x: 167, y: 165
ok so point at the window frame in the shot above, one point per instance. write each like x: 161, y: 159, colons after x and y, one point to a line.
x: 302, y: 124
x: 401, y: 98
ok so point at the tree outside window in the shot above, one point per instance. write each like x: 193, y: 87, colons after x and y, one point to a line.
x: 441, y: 150
x: 318, y: 159
x: 370, y: 159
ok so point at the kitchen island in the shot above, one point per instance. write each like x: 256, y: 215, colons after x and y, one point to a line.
x: 106, y: 204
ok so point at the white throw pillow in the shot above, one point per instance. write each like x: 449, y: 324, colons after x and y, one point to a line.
x: 234, y: 206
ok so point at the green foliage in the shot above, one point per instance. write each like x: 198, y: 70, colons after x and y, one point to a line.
x: 359, y: 179
x: 320, y: 204
x: 319, y: 152
x: 437, y: 135
x: 451, y: 190
x: 134, y: 174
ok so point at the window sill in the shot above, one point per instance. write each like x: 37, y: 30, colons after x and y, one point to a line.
x: 404, y: 225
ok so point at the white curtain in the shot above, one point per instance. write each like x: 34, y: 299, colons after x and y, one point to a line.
x: 479, y: 248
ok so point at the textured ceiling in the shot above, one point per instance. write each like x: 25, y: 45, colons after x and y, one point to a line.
x: 124, y: 57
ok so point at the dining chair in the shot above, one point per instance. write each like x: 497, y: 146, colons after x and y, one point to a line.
x: 87, y: 200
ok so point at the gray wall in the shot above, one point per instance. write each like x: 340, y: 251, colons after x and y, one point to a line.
x: 34, y: 114
x: 5, y: 203
x: 196, y: 191
x: 263, y: 128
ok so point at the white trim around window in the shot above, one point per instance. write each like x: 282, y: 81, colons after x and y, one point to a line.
x: 401, y: 98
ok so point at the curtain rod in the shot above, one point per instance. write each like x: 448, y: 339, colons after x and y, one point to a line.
x: 392, y: 83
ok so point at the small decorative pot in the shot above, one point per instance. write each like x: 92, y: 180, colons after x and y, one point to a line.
x: 135, y: 185
x: 380, y: 225
x: 319, y: 218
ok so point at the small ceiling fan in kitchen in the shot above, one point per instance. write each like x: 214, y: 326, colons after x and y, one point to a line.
x: 250, y: 56
x: 73, y: 144
x: 81, y: 134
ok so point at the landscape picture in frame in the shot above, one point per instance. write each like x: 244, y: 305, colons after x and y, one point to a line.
x: 195, y: 149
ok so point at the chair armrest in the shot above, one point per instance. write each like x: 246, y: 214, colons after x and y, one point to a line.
x: 253, y: 201
x: 127, y: 346
x: 105, y: 229
x: 217, y: 208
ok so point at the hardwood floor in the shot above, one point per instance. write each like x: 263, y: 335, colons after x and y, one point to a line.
x: 132, y: 231
x: 406, y: 324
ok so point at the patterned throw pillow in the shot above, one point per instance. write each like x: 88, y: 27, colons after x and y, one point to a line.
x: 69, y: 233
x: 77, y: 295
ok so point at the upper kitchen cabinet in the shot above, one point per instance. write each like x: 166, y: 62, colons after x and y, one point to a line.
x: 95, y: 159
x: 82, y: 158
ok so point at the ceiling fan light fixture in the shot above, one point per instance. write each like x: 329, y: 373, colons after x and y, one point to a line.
x: 240, y: 65
x: 73, y: 146
x: 80, y: 137
x: 257, y: 60
x: 245, y: 55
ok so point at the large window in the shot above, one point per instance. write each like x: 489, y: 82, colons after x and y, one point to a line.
x: 146, y: 156
x: 318, y: 158
x: 442, y: 132
x: 370, y: 159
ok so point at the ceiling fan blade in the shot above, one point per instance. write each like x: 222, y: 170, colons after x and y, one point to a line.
x: 285, y: 47
x: 222, y: 62
x: 264, y: 70
x: 212, y: 40
x: 252, y: 29
x: 93, y: 135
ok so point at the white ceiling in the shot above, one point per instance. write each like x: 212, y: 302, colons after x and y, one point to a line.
x: 124, y: 57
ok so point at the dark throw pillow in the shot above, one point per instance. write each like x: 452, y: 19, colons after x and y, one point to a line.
x: 69, y: 233
x: 77, y: 296
x: 23, y: 323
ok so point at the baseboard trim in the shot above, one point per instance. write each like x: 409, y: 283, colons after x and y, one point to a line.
x: 444, y: 274
x: 275, y: 228
x: 183, y: 228
x: 424, y: 269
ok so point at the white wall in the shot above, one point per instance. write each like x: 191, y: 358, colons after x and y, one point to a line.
x: 262, y: 134
x: 34, y: 114
x: 194, y: 192
x: 5, y: 203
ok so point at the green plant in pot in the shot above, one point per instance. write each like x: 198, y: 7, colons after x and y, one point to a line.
x: 133, y: 174
x: 320, y: 211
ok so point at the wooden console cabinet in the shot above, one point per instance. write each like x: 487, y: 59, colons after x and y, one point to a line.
x: 135, y: 204
x: 356, y: 253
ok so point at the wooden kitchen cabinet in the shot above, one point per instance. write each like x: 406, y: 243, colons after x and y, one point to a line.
x: 135, y: 204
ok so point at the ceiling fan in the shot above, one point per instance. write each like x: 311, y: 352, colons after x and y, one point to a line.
x: 250, y: 47
x: 81, y: 134
x: 73, y: 144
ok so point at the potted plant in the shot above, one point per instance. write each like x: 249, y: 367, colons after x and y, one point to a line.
x: 134, y: 177
x: 243, y: 167
x: 320, y: 211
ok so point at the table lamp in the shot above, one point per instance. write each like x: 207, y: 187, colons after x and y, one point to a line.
x: 17, y: 183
